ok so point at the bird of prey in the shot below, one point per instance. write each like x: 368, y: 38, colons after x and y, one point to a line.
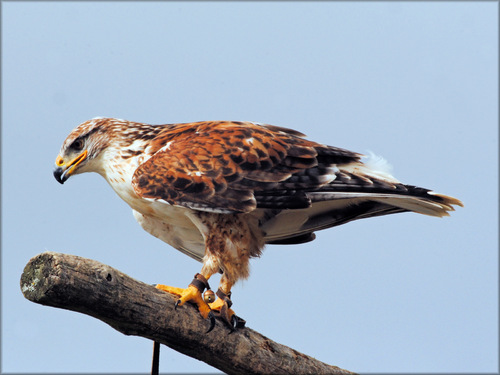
x: 218, y: 191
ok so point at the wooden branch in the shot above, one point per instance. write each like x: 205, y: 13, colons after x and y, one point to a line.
x: 135, y: 308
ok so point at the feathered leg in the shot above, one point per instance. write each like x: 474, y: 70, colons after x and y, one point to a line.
x: 230, y: 241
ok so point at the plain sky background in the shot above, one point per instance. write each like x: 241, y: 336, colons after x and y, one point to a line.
x: 415, y: 82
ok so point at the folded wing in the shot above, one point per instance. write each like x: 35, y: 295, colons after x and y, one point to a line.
x: 293, y: 185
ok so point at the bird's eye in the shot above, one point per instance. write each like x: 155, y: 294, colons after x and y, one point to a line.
x: 77, y: 145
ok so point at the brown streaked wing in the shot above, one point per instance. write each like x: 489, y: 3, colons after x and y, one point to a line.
x: 224, y: 166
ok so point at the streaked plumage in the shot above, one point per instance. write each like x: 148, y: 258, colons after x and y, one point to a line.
x: 219, y: 191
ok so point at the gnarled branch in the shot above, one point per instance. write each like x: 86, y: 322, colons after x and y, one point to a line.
x: 135, y: 308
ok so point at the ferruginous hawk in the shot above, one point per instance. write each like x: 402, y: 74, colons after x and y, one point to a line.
x: 218, y: 191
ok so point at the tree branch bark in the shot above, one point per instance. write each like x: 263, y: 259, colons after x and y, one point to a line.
x: 135, y: 308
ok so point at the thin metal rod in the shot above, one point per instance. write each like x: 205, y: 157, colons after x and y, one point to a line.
x: 155, y: 368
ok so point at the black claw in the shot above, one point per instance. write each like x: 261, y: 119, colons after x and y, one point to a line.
x: 236, y: 323
x: 211, y: 316
x: 240, y: 323
x: 232, y: 325
x: 176, y: 304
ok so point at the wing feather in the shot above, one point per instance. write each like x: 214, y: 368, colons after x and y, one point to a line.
x: 234, y: 167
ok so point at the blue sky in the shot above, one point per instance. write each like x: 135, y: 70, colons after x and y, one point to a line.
x: 415, y: 82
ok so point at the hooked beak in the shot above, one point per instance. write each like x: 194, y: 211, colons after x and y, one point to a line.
x: 63, y: 170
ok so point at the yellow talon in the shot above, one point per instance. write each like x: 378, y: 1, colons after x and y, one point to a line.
x: 170, y: 289
x: 226, y: 314
x: 205, y: 302
x: 218, y: 304
x: 190, y: 294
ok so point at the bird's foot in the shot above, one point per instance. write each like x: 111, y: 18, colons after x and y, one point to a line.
x: 223, y: 306
x: 193, y: 294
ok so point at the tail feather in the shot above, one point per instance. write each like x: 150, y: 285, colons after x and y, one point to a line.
x: 331, y: 209
x: 416, y: 204
x: 426, y: 202
x: 414, y: 199
x: 447, y: 199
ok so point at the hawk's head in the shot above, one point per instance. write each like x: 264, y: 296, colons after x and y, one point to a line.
x: 83, y: 148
